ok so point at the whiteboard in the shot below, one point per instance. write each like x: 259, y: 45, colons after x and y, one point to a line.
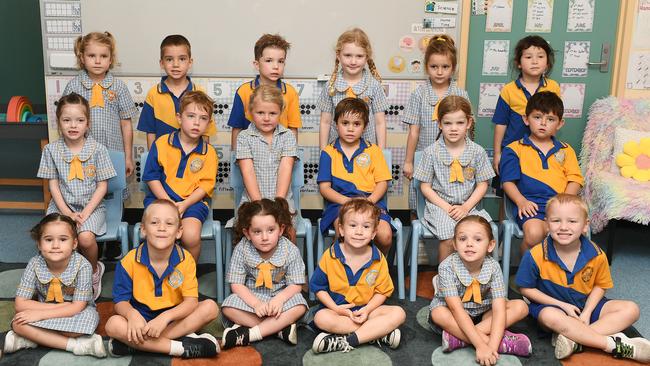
x: 223, y: 32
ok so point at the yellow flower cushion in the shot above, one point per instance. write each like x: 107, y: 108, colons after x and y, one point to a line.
x: 634, y: 161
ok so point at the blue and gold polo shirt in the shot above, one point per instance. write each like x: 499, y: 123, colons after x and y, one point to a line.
x: 354, y: 177
x: 240, y: 116
x: 180, y: 173
x: 158, y: 114
x: 137, y: 282
x: 345, y: 287
x: 537, y: 176
x: 511, y: 107
x: 542, y: 268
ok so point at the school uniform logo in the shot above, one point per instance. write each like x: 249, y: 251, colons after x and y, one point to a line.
x: 175, y: 279
x: 90, y: 171
x: 371, y: 277
x: 196, y: 164
x: 586, y: 274
x: 362, y: 160
x: 469, y: 172
x: 110, y: 95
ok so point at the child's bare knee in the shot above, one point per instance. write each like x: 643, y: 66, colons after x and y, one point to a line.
x: 632, y: 309
x: 399, y: 314
x: 19, y: 328
x: 209, y: 309
x: 519, y: 307
x: 112, y: 326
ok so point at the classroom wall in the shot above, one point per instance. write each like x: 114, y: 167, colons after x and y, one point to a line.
x: 22, y: 53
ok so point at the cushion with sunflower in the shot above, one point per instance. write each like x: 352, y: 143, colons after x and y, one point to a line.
x: 632, y: 154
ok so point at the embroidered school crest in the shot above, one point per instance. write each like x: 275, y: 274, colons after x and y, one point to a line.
x: 559, y: 156
x: 90, y: 171
x: 175, y: 279
x: 469, y: 172
x: 68, y: 290
x: 586, y: 274
x: 110, y: 95
x: 196, y: 164
x: 371, y: 277
x: 362, y: 160
x: 279, y: 275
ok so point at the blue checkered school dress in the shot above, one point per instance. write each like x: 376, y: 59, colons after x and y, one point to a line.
x: 97, y: 167
x: 434, y: 168
x: 420, y: 111
x: 76, y: 285
x: 289, y: 270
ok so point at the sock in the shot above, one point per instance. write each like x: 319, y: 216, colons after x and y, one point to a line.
x: 611, y: 344
x: 254, y: 334
x: 72, y: 342
x: 176, y: 348
x: 353, y: 340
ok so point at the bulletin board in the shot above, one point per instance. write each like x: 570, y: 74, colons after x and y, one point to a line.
x: 575, y: 29
x: 223, y: 34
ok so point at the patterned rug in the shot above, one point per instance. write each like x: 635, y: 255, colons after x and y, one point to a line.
x: 419, y: 345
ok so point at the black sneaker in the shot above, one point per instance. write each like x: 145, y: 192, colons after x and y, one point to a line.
x: 119, y: 349
x: 391, y: 340
x: 326, y: 342
x: 199, y: 346
x: 235, y: 336
x: 289, y: 334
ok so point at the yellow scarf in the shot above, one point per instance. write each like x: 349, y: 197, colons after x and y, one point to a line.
x: 96, y: 98
x: 349, y: 93
x: 456, y: 172
x: 76, y: 169
x: 264, y: 275
x: 54, y: 292
x: 434, y: 116
x: 474, y: 290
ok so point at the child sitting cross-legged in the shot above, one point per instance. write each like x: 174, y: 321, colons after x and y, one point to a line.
x: 352, y: 283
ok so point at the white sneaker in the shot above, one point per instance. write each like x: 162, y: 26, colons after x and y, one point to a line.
x: 435, y: 285
x: 97, y: 279
x: 14, y: 342
x: 90, y: 345
x: 637, y: 348
x: 564, y: 347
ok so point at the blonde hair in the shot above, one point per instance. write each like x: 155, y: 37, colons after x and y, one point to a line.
x: 103, y: 38
x: 454, y: 103
x: 565, y: 198
x: 160, y: 202
x: 267, y: 93
x: 359, y: 38
x: 441, y: 44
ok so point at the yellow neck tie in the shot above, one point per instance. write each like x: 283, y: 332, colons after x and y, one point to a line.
x: 54, y: 292
x: 434, y: 116
x: 474, y: 290
x: 96, y: 98
x: 76, y: 170
x: 349, y: 93
x: 456, y: 172
x: 264, y: 275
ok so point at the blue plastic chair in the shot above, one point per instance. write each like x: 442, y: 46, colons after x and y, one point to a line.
x: 211, y: 230
x: 116, y: 229
x: 303, y: 225
x: 420, y: 232
x: 399, y: 240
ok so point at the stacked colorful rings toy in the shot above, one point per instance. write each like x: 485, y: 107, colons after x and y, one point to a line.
x: 20, y: 110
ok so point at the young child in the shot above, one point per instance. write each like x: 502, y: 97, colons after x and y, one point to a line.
x: 470, y: 305
x: 64, y: 314
x: 565, y: 278
x: 270, y: 55
x: 266, y: 151
x: 534, y: 58
x: 158, y: 115
x: 538, y: 166
x: 421, y: 112
x: 266, y: 274
x: 182, y: 167
x: 78, y: 169
x: 352, y: 167
x: 454, y: 173
x: 353, y: 52
x: 352, y: 283
x: 111, y: 105
x: 156, y: 293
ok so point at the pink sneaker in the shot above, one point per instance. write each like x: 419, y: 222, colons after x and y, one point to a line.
x: 450, y: 342
x: 515, y: 344
x: 97, y: 280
